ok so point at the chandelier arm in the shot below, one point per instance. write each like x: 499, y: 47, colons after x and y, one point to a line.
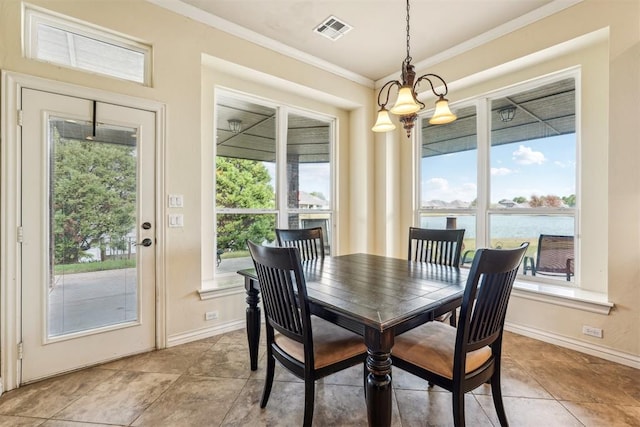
x: 390, y: 83
x: 433, y: 89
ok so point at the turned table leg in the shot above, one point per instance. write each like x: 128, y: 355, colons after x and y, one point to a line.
x: 253, y: 320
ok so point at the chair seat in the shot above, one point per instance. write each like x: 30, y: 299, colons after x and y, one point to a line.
x: 331, y: 343
x: 432, y: 347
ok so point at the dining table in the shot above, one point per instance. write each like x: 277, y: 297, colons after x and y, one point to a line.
x: 377, y: 297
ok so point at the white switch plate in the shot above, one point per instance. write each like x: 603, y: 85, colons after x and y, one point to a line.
x: 176, y: 220
x: 176, y: 201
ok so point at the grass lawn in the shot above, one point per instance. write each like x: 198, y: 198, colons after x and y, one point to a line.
x: 85, y: 267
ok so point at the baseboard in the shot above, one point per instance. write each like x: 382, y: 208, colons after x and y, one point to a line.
x: 199, y: 334
x: 573, y: 344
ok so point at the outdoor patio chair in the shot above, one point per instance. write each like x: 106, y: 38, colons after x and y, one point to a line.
x: 555, y: 257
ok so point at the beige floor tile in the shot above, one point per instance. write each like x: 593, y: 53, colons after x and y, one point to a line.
x: 120, y: 399
x: 428, y: 408
x: 193, y: 401
x: 46, y: 398
x: 523, y: 412
x: 209, y: 383
x: 599, y: 414
x: 11, y: 421
x: 516, y: 382
x: 61, y: 423
x: 228, y: 358
x: 578, y: 382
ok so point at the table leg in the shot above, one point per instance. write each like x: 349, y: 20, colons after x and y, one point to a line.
x: 378, y: 385
x: 253, y: 321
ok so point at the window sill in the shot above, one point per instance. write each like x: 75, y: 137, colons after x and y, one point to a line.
x: 594, y: 302
x: 212, y: 289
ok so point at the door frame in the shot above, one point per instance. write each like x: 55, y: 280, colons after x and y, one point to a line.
x: 10, y: 209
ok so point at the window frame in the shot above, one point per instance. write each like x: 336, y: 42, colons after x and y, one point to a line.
x: 282, y: 209
x: 483, y: 210
x: 34, y: 16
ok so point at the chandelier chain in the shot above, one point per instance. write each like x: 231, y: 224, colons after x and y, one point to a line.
x: 408, y: 36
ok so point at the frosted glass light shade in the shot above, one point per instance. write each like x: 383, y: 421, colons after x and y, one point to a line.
x: 383, y: 123
x: 443, y: 114
x: 405, y: 104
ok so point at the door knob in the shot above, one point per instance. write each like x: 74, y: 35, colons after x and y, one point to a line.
x: 146, y: 242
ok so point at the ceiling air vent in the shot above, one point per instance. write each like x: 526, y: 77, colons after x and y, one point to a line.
x: 333, y: 28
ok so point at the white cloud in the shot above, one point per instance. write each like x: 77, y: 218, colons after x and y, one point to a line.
x: 438, y: 184
x: 526, y: 156
x: 441, y: 189
x: 500, y: 171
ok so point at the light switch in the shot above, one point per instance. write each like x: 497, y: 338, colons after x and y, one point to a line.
x: 176, y: 201
x: 176, y: 220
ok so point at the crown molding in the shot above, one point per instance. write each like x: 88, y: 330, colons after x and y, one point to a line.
x: 236, y: 30
x: 493, y: 34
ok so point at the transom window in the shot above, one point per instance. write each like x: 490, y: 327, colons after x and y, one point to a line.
x: 505, y: 171
x: 70, y: 43
x: 273, y: 170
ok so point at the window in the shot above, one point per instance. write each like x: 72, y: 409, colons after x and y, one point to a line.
x: 67, y: 42
x: 273, y: 170
x: 514, y: 182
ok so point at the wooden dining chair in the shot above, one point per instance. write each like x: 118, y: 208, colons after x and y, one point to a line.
x: 310, y: 241
x: 306, y: 345
x: 436, y: 246
x: 462, y: 359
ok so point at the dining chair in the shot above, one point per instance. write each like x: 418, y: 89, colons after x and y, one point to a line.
x: 310, y: 241
x: 306, y: 345
x: 462, y: 359
x: 436, y: 246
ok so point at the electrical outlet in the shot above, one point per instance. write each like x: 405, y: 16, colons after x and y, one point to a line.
x: 211, y: 315
x: 592, y: 331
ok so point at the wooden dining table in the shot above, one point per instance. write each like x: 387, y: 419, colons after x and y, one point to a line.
x: 374, y: 296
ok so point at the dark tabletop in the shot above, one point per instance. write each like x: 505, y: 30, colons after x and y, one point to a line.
x: 378, y: 291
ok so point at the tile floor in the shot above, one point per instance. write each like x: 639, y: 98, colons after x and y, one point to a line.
x: 208, y: 383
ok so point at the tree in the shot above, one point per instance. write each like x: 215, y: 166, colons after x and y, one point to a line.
x: 318, y: 194
x: 569, y: 200
x: 519, y: 199
x: 94, y: 196
x: 243, y: 184
x: 549, y: 201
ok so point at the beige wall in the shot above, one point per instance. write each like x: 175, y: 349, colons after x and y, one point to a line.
x: 375, y: 174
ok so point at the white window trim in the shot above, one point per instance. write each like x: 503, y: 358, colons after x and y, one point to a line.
x: 533, y: 288
x: 34, y: 16
x: 211, y: 288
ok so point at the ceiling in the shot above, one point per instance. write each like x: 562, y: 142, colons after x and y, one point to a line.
x: 376, y: 46
x: 373, y: 52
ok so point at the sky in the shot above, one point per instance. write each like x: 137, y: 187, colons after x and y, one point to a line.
x: 314, y: 177
x: 541, y: 167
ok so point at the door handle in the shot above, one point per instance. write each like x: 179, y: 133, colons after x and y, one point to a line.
x: 146, y: 242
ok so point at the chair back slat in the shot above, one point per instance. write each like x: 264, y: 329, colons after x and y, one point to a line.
x: 283, y: 289
x: 486, y: 297
x: 435, y: 246
x: 309, y: 241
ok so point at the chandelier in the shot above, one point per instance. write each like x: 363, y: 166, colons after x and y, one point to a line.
x: 407, y: 103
